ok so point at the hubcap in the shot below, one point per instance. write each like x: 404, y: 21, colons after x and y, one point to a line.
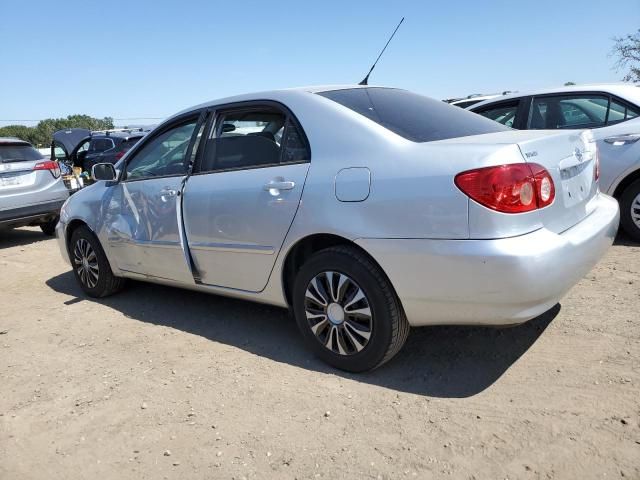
x: 635, y: 211
x: 338, y: 312
x: 86, y: 263
x: 335, y: 313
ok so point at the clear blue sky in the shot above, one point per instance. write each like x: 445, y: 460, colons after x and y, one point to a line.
x: 152, y: 58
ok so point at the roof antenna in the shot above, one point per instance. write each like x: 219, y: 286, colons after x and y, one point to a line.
x: 365, y: 81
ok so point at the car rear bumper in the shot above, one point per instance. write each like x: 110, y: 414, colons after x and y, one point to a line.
x: 493, y: 282
x: 30, y: 214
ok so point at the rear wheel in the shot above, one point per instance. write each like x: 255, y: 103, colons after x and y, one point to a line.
x: 49, y: 228
x: 630, y: 210
x: 90, y: 265
x: 347, y: 310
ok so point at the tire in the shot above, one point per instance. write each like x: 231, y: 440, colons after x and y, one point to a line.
x: 331, y: 331
x: 95, y: 276
x: 629, y: 200
x: 49, y: 228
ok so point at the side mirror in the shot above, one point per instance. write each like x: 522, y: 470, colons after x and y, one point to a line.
x: 103, y: 172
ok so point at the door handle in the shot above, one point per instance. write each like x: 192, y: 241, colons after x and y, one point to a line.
x: 279, y: 185
x: 167, y: 193
x: 625, y: 139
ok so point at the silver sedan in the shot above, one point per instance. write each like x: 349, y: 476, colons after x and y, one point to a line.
x: 365, y: 210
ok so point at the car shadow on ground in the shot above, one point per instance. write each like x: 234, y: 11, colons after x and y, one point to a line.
x: 21, y: 237
x: 449, y: 362
x: 623, y: 239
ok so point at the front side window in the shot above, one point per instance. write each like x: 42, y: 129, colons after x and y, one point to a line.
x: 503, y: 113
x: 412, y: 116
x: 163, y: 155
x: 252, y: 138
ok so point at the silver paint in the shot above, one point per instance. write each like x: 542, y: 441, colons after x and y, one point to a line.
x: 449, y: 260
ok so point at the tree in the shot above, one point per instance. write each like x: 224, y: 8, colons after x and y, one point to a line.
x: 627, y: 51
x: 21, y: 132
x: 568, y: 84
x: 41, y: 135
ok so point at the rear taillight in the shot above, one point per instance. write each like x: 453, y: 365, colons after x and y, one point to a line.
x: 513, y: 188
x: 50, y: 165
x: 120, y: 154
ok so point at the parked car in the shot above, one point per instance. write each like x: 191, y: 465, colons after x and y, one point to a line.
x: 84, y: 148
x: 469, y: 100
x: 31, y: 190
x: 609, y: 110
x: 365, y: 210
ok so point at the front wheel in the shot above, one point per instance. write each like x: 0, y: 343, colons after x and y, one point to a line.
x: 90, y: 265
x: 630, y: 210
x: 347, y: 310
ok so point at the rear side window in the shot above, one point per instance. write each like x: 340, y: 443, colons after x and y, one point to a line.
x: 251, y: 138
x: 244, y: 139
x: 100, y: 144
x: 412, y: 116
x: 294, y: 144
x: 619, y: 112
x: 126, y: 145
x: 18, y: 152
x: 568, y: 111
x: 505, y: 113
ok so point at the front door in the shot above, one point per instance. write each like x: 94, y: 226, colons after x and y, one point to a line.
x: 241, y: 201
x: 143, y: 220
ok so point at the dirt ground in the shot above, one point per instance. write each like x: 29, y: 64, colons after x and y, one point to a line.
x: 157, y: 383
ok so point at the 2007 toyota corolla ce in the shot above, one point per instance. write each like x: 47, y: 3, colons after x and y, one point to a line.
x: 365, y: 210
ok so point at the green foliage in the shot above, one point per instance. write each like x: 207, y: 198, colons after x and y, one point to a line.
x: 568, y: 84
x: 627, y: 49
x: 41, y: 135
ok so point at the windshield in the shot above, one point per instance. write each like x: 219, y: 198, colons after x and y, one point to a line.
x: 18, y: 152
x: 412, y: 116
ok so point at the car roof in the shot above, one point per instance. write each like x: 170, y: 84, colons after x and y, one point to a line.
x: 13, y: 140
x: 627, y: 91
x: 476, y: 98
x: 275, y: 94
x: 120, y: 135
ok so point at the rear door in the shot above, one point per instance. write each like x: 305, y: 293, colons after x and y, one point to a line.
x: 244, y: 194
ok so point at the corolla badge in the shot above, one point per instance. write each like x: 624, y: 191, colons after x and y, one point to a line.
x: 578, y: 154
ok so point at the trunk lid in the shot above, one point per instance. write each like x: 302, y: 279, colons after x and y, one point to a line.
x: 568, y: 156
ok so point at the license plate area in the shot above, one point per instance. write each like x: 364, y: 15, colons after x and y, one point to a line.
x: 11, y: 179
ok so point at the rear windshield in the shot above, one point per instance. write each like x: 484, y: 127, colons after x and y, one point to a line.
x: 18, y: 152
x: 412, y: 116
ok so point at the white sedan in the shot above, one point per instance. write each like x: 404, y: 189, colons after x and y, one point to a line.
x: 611, y: 110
